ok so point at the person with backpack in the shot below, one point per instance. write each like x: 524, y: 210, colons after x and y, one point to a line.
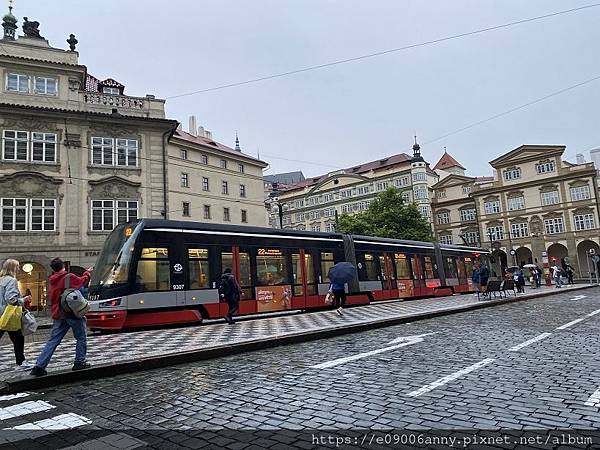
x: 484, y: 275
x: 230, y: 290
x: 68, y: 309
x: 10, y: 295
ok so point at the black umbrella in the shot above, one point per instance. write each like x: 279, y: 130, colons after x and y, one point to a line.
x: 342, y: 273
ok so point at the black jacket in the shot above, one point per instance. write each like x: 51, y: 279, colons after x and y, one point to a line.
x: 229, y: 288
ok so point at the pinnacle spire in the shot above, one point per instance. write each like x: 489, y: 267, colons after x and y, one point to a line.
x: 237, y: 143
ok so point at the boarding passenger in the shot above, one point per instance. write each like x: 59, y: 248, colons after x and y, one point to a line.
x: 230, y: 290
x: 475, y: 278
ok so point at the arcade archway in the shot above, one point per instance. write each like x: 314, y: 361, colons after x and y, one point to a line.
x: 31, y: 280
x: 585, y: 265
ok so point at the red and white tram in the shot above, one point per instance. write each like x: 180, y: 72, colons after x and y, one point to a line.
x: 155, y: 272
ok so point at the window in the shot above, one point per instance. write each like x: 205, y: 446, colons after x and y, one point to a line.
x: 46, y: 86
x: 14, y: 214
x: 204, y: 159
x: 344, y: 194
x: 550, y: 198
x: 198, y: 267
x: 43, y: 147
x: 106, y: 214
x: 545, y: 167
x: 225, y: 188
x: 205, y: 186
x: 299, y: 203
x: 240, y: 168
x: 466, y: 189
x: 381, y: 185
x: 467, y: 215
x: 584, y: 222
x: 362, y: 206
x: 315, y: 228
x: 327, y: 262
x: 421, y: 193
x: 402, y: 182
x: 244, y: 216
x: 512, y: 174
x: 471, y: 237
x: 346, y: 209
x: 406, y: 196
x: 443, y: 217
x: 223, y: 164
x: 495, y: 233
x: 313, y: 215
x: 15, y: 145
x: 327, y: 198
x: 185, y: 182
x: 153, y: 270
x: 555, y: 225
x: 42, y: 214
x: 441, y: 194
x: 424, y: 210
x: 271, y: 267
x: 519, y: 230
x: 515, y: 203
x: 226, y: 216
x: 242, y: 190
x: 300, y: 217
x: 362, y: 190
x: 371, y: 272
x: 492, y: 207
x: 185, y: 207
x: 110, y: 90
x: 403, y: 271
x: 446, y: 239
x: 580, y: 193
x: 105, y: 149
x: 330, y: 227
x: 419, y: 176
x: 16, y: 82
x: 183, y: 154
x: 207, y: 212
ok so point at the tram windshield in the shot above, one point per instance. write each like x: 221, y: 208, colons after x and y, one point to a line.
x: 112, y: 267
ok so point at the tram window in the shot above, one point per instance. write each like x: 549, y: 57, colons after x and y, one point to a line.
x: 460, y: 264
x: 153, y: 270
x: 198, y: 268
x: 371, y: 268
x: 402, y: 268
x: 245, y: 276
x: 310, y: 274
x: 298, y: 280
x: 417, y: 267
x: 271, y: 268
x: 450, y: 267
x: 430, y: 270
x: 327, y: 262
x: 468, y: 266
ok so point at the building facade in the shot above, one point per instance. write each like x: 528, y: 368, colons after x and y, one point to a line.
x: 536, y: 209
x: 315, y: 203
x: 77, y: 157
x: 210, y: 182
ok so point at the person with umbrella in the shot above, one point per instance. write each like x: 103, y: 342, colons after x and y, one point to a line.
x: 339, y: 275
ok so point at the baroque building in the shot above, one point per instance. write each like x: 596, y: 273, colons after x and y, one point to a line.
x: 315, y: 203
x: 536, y: 209
x: 78, y: 156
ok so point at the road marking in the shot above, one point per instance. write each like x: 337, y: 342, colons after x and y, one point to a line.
x: 594, y: 399
x: 62, y: 422
x: 529, y: 342
x: 593, y: 313
x: 449, y: 378
x: 567, y: 325
x: 397, y: 343
x: 22, y: 409
x: 13, y: 396
x: 579, y: 297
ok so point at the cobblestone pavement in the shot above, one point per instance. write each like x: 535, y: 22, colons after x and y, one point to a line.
x: 109, y: 349
x: 492, y: 372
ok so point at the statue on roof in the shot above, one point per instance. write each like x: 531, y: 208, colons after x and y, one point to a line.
x: 31, y: 29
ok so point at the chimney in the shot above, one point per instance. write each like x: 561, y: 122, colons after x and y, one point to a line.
x: 580, y: 158
x: 201, y: 132
x: 208, y: 134
x: 193, y: 126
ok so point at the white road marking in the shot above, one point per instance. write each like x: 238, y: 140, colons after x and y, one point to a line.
x: 593, y: 313
x: 13, y: 396
x: 567, y: 325
x: 594, y: 399
x: 398, y: 343
x: 62, y: 422
x: 22, y: 409
x: 529, y: 342
x: 449, y: 378
x: 579, y: 297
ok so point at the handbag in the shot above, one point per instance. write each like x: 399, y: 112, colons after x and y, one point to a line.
x: 28, y: 323
x: 11, y: 318
x: 329, y: 298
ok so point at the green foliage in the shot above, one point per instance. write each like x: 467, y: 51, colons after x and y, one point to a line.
x: 390, y: 217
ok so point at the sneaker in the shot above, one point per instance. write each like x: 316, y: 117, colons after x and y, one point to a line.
x: 25, y: 365
x: 339, y: 311
x: 38, y: 372
x: 81, y: 366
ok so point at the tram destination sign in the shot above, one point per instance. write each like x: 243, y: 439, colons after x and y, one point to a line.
x: 269, y: 252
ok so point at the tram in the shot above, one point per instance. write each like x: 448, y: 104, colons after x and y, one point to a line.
x: 157, y: 272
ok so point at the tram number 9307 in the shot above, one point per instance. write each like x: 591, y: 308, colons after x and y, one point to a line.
x: 178, y: 287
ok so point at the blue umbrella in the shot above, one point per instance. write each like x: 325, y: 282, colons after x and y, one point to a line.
x: 342, y: 273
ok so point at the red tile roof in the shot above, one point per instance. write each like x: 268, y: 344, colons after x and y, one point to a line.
x: 206, y: 142
x: 447, y: 161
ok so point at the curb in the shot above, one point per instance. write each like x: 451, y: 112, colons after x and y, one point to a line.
x: 155, y: 362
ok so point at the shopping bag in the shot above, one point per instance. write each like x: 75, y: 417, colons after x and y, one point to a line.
x: 329, y: 298
x: 28, y: 323
x: 11, y: 318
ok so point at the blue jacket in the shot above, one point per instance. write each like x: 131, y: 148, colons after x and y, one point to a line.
x: 475, y: 277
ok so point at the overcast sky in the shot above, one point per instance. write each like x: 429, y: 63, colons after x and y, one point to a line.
x: 356, y: 112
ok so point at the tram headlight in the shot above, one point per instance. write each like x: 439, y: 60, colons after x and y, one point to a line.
x: 111, y: 303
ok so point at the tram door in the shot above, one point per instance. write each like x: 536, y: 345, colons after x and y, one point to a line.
x: 388, y: 278
x: 299, y: 292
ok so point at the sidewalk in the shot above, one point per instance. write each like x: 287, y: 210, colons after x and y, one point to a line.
x: 111, y: 354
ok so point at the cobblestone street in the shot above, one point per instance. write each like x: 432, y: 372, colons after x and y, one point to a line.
x: 523, y: 366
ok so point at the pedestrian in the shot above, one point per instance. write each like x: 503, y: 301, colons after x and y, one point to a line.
x: 229, y: 289
x: 475, y: 280
x: 556, y: 274
x: 484, y: 275
x: 538, y: 279
x: 520, y: 281
x: 570, y: 271
x: 10, y: 295
x: 339, y: 296
x: 62, y: 320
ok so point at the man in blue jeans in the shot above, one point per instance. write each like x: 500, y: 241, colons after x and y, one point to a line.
x: 63, y: 321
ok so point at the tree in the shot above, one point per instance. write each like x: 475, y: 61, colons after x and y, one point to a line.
x: 388, y: 216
